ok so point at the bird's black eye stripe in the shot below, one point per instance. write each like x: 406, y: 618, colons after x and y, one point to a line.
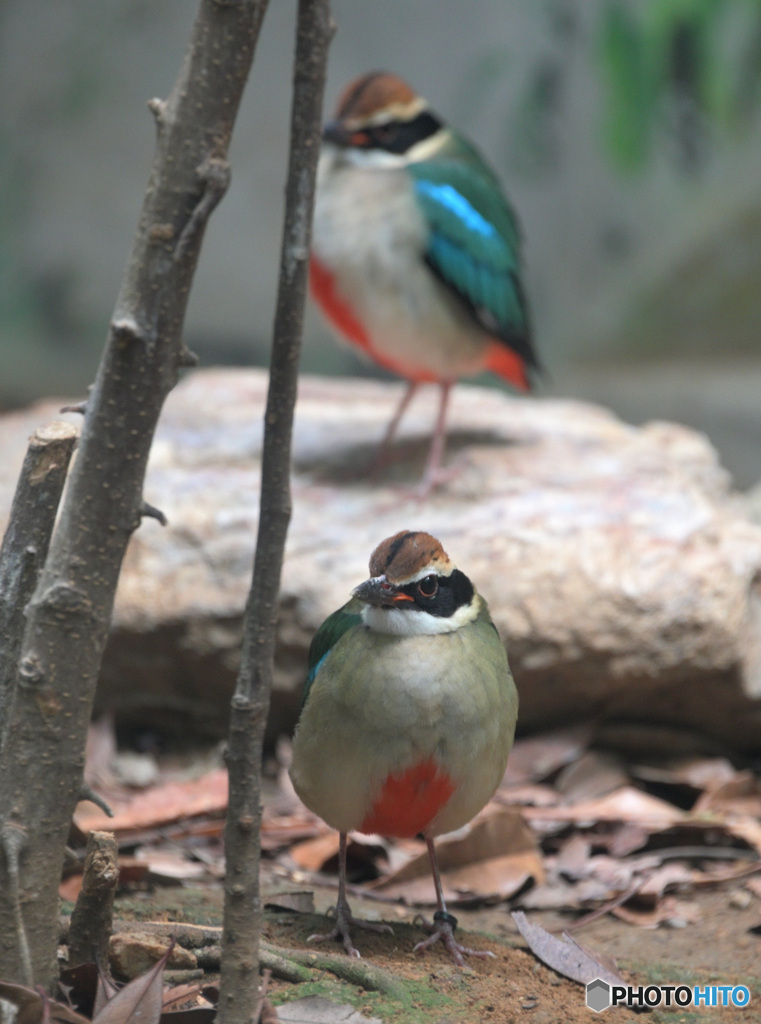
x: 399, y: 136
x: 439, y: 595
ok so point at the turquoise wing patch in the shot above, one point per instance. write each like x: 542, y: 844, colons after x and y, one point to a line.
x: 474, y: 243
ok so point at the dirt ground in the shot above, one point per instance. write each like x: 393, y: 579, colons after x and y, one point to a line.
x: 718, y: 947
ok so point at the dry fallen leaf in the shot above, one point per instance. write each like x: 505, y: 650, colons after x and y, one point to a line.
x: 592, y: 775
x: 183, y: 997
x: 493, y: 858
x: 314, y: 854
x: 536, y: 757
x: 565, y: 955
x: 31, y: 1008
x: 626, y: 804
x: 318, y: 853
x: 698, y: 773
x: 283, y: 830
x: 159, y: 805
x: 739, y: 795
x: 169, y: 865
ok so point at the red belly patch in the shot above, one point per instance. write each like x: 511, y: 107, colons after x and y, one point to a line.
x: 409, y: 802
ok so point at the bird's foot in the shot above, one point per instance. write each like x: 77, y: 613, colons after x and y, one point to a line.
x: 437, y: 478
x: 442, y: 930
x: 434, y: 480
x: 344, y: 920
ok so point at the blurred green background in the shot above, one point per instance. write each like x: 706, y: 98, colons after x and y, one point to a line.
x: 627, y: 132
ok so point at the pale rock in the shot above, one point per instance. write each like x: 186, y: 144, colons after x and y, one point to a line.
x: 619, y: 566
x: 134, y: 953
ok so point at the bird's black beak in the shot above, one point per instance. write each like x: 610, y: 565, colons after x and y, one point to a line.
x: 337, y: 133
x: 379, y: 592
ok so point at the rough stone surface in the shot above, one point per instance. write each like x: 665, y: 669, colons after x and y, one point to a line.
x: 620, y: 567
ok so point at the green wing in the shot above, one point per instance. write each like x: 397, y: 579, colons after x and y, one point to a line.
x: 327, y: 636
x: 474, y: 242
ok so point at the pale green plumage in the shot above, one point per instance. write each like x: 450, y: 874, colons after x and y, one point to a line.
x: 378, y: 704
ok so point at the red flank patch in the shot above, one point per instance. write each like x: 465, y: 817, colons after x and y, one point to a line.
x: 340, y: 314
x: 507, y: 364
x: 334, y: 306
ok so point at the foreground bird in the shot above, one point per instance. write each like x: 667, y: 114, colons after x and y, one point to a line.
x: 416, y: 250
x: 408, y: 714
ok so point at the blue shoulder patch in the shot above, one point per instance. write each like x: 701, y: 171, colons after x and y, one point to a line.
x: 458, y: 204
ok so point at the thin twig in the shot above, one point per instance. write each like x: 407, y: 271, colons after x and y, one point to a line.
x: 151, y: 512
x: 86, y: 792
x: 601, y: 911
x: 250, y: 703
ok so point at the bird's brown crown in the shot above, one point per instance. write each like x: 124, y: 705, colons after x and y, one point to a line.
x: 402, y: 557
x: 377, y: 93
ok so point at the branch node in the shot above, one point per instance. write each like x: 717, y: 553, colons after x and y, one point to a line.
x: 151, y: 512
x: 187, y: 358
x: 158, y: 108
x: 86, y: 792
x: 64, y: 599
x: 126, y: 332
x: 30, y: 673
x: 214, y: 174
x: 160, y: 233
x: 80, y: 407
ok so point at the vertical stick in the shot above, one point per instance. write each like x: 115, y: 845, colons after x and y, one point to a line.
x: 250, y: 703
x: 92, y: 917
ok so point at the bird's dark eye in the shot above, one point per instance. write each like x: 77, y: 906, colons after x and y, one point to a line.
x: 427, y: 587
x: 384, y: 133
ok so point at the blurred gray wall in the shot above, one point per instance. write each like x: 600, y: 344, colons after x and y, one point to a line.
x: 645, y: 287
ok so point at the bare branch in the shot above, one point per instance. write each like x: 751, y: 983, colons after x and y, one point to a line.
x: 250, y: 703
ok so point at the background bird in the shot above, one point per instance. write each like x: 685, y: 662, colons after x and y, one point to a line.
x: 416, y: 250
x: 408, y: 715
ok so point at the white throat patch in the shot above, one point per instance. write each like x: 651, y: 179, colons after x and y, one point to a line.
x: 415, y: 622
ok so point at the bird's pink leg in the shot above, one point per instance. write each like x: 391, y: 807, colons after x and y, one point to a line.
x: 383, y: 458
x: 434, y: 473
x: 445, y: 923
x: 343, y: 914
